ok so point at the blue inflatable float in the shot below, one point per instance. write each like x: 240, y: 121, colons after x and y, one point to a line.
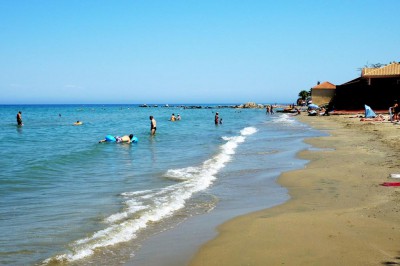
x: 110, y: 138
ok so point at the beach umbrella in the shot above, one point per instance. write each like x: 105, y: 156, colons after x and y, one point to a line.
x: 368, y: 112
x: 313, y: 106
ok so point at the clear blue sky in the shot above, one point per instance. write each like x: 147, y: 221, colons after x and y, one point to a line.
x: 208, y: 51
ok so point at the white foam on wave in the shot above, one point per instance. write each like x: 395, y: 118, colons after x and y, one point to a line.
x: 183, y: 173
x: 248, y: 131
x: 284, y: 119
x: 140, y: 192
x: 134, y: 206
x: 143, y: 207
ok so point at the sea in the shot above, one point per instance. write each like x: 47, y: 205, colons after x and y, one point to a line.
x: 66, y: 199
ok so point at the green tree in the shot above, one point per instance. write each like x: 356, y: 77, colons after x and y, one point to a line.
x: 304, y: 94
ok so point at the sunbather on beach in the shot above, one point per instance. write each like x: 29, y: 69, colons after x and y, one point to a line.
x: 378, y: 118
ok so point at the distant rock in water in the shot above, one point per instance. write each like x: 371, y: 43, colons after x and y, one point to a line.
x: 251, y: 105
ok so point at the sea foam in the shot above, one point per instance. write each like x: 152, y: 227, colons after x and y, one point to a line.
x: 284, y: 119
x: 143, y: 207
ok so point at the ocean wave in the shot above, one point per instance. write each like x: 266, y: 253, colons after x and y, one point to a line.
x: 248, y: 131
x: 143, y: 207
x: 182, y: 174
x: 284, y: 119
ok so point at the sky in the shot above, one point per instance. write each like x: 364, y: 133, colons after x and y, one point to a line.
x: 208, y: 51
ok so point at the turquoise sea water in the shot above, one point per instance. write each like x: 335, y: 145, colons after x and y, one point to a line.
x: 65, y: 198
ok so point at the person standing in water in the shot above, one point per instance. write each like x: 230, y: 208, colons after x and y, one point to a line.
x: 153, y: 125
x: 216, y: 118
x: 19, y: 118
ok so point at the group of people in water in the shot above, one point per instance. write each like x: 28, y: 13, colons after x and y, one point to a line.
x: 269, y: 110
x: 128, y: 138
x: 173, y: 118
x: 153, y: 129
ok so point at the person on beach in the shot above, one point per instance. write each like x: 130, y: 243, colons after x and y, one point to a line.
x: 395, y: 109
x: 216, y: 118
x: 378, y: 118
x: 220, y: 121
x: 118, y: 139
x: 153, y: 125
x: 172, y: 118
x: 178, y: 117
x: 19, y: 118
x: 297, y: 111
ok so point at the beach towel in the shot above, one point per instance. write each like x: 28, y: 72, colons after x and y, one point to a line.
x: 368, y: 112
x: 391, y: 184
x: 394, y: 175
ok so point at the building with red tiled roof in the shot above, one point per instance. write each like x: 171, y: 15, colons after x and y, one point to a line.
x: 391, y: 70
x: 377, y: 87
x: 323, y: 93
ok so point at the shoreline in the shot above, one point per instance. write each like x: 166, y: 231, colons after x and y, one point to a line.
x: 338, y: 214
x: 242, y: 187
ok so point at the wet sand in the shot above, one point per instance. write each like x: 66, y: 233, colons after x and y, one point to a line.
x: 338, y: 214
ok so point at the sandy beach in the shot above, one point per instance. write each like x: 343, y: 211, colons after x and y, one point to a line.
x: 338, y: 214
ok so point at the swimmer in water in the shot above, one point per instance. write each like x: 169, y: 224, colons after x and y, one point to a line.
x: 216, y: 118
x: 19, y: 119
x: 153, y: 125
x: 126, y: 139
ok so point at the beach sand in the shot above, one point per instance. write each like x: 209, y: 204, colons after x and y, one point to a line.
x: 338, y: 214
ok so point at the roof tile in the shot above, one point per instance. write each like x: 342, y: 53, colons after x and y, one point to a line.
x: 392, y: 69
x: 325, y: 85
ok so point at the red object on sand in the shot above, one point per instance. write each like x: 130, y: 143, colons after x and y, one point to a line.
x: 391, y: 184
